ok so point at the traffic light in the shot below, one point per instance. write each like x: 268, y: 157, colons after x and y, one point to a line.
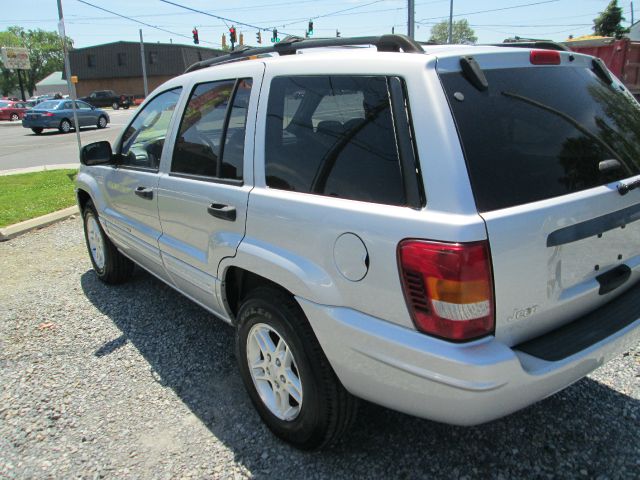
x: 337, y: 33
x: 195, y: 36
x: 310, y: 29
x: 274, y: 38
x: 259, y: 37
x: 232, y: 35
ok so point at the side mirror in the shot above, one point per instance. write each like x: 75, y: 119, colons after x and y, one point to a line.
x: 92, y: 107
x: 97, y: 153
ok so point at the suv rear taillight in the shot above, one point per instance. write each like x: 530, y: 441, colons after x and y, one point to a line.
x: 448, y: 287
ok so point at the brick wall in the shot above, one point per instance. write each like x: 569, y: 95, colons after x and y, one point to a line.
x: 131, y: 85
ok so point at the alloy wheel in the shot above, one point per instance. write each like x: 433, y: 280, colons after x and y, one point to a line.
x: 274, y: 372
x: 96, y: 242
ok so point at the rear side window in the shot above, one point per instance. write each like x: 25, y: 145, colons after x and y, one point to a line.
x: 210, y: 142
x: 333, y: 136
x: 541, y: 132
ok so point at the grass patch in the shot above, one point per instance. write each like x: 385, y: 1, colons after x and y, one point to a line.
x: 29, y: 195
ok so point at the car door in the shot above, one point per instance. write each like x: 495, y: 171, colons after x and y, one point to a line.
x: 130, y: 189
x: 202, y: 198
x: 82, y: 113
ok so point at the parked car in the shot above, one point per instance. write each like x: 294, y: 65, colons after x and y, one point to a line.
x: 452, y: 233
x: 47, y: 96
x: 108, y: 98
x: 12, y: 111
x: 59, y: 114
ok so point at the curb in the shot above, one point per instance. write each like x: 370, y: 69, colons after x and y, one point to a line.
x: 7, y: 123
x: 40, y: 168
x: 12, y: 231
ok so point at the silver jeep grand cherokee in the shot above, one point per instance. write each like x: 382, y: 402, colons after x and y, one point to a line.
x: 451, y: 232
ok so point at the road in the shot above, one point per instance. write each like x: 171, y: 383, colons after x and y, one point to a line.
x: 20, y: 147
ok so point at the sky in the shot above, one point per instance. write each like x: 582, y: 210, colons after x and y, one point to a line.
x: 492, y: 20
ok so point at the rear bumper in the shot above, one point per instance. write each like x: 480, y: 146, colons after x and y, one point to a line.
x: 460, y: 384
x: 51, y: 122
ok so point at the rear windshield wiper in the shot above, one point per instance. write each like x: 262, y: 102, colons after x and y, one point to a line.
x: 572, y: 121
x: 624, y: 188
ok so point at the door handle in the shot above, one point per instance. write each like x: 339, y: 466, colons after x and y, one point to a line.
x: 225, y: 212
x: 144, y: 192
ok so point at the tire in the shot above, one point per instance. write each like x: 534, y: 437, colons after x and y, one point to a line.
x: 317, y: 410
x: 102, y: 121
x: 65, y: 126
x: 115, y: 105
x: 109, y: 264
x: 14, y: 117
x: 37, y: 130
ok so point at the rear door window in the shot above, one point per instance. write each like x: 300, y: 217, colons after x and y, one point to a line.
x: 333, y: 136
x: 210, y: 141
x: 541, y: 132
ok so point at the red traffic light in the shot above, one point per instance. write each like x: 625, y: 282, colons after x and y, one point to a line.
x: 195, y: 36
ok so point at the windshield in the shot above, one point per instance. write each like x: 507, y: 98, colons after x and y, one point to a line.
x: 539, y: 133
x: 48, y: 105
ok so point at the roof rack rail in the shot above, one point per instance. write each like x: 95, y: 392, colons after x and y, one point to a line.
x: 290, y: 45
x: 545, y: 45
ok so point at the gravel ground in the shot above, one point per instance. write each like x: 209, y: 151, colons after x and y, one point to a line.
x: 136, y: 381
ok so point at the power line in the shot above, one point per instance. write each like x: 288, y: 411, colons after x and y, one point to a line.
x: 224, y: 19
x: 138, y: 21
x: 347, y: 9
x: 492, y: 10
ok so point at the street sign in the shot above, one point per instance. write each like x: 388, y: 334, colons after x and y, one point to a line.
x: 15, y: 58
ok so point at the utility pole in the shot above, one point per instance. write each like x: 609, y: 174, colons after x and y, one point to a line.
x: 144, y: 66
x: 450, y: 39
x: 21, y: 85
x: 632, y: 22
x: 67, y: 69
x: 411, y: 19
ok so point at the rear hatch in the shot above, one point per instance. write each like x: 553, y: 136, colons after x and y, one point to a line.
x: 547, y: 147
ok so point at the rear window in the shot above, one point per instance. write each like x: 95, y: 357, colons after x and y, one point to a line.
x: 541, y: 132
x: 49, y: 105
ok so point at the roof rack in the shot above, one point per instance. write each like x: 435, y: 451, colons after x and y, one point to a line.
x: 546, y: 45
x: 290, y: 45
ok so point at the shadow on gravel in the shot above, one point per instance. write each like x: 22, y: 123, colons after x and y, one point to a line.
x: 587, y: 430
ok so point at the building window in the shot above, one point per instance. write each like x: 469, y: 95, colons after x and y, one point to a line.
x: 122, y: 59
x: 153, y: 58
x: 91, y: 60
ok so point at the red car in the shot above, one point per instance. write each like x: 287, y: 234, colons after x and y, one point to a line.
x: 12, y: 111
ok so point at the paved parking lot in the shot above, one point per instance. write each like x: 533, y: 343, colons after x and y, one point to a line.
x: 135, y: 381
x: 20, y: 147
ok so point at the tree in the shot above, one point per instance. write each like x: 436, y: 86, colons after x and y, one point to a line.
x: 461, y: 32
x: 607, y: 23
x: 45, y: 54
